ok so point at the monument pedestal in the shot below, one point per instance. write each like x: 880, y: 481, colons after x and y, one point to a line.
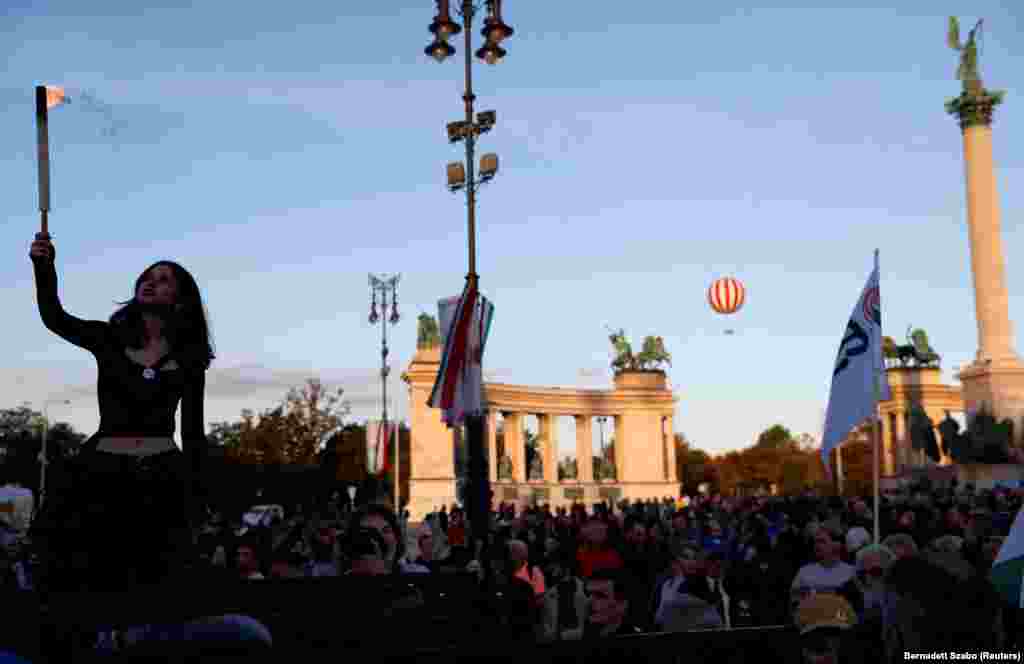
x: 999, y: 388
x: 432, y: 450
x: 990, y: 476
x: 427, y: 495
x: 565, y: 494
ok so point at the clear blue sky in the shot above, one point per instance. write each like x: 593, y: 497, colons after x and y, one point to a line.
x: 281, y: 151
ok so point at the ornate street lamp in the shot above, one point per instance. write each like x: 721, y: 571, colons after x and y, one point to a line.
x: 464, y: 176
x: 383, y: 286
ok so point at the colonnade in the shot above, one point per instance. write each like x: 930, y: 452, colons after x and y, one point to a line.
x: 641, y: 409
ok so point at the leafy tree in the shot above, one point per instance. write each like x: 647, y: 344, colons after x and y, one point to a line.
x: 21, y: 441
x: 775, y: 437
x: 776, y: 460
x: 294, y: 432
x: 858, y: 471
x: 697, y: 469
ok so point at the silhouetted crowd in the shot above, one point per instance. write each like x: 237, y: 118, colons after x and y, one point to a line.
x: 658, y: 566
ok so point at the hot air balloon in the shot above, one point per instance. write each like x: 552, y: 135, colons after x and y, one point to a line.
x: 726, y: 296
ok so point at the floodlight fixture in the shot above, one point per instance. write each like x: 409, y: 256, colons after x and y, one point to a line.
x: 488, y: 166
x: 456, y: 176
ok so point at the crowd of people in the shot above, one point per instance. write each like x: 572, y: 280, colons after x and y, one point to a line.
x: 654, y: 566
x: 122, y: 514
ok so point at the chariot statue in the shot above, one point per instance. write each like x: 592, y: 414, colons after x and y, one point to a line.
x: 917, y: 349
x: 650, y: 358
x: 653, y: 354
x: 624, y: 358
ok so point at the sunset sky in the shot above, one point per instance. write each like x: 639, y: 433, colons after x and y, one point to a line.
x: 281, y: 151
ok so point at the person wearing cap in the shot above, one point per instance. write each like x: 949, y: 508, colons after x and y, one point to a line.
x: 822, y: 620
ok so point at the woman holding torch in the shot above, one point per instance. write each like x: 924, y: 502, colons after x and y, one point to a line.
x: 125, y: 508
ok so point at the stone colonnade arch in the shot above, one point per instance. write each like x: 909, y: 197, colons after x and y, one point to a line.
x: 641, y: 406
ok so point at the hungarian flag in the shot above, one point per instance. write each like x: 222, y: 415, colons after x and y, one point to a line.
x: 465, y: 324
x: 377, y: 438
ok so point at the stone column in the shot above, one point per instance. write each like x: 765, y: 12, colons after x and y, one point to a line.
x: 620, y: 447
x: 670, y: 449
x: 549, y: 446
x: 514, y: 445
x: 492, y: 445
x: 991, y: 298
x: 903, y: 447
x: 996, y: 378
x: 584, y: 449
x: 885, y: 446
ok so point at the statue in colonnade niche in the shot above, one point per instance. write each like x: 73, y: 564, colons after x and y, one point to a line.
x: 505, y: 468
x: 536, y: 468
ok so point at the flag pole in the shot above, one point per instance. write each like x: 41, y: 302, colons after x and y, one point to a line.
x: 43, y: 152
x: 876, y: 434
x: 839, y: 470
x: 876, y: 456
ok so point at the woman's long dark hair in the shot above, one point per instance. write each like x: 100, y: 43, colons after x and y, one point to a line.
x: 185, y: 324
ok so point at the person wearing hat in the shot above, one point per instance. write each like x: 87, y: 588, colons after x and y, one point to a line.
x: 822, y: 620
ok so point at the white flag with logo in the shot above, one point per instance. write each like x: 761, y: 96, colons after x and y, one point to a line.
x: 1007, y: 573
x: 853, y: 397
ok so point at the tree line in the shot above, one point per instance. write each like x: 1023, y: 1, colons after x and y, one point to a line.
x: 309, y: 434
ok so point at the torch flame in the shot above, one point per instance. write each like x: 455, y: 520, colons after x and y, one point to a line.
x: 55, y: 96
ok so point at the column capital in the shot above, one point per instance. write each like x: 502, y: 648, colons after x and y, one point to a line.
x: 975, y: 107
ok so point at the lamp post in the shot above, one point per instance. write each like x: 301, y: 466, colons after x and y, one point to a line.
x: 384, y: 285
x: 463, y: 176
x: 43, y: 462
x: 604, y: 453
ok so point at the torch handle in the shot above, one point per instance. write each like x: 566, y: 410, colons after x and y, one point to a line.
x: 43, y: 145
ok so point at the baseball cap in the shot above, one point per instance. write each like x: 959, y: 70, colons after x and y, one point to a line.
x: 824, y: 610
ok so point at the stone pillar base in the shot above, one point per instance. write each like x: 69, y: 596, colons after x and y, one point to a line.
x: 1000, y: 387
x: 989, y: 476
x: 425, y: 495
x: 565, y: 494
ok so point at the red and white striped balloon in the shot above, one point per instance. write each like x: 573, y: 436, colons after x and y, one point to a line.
x: 726, y: 295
